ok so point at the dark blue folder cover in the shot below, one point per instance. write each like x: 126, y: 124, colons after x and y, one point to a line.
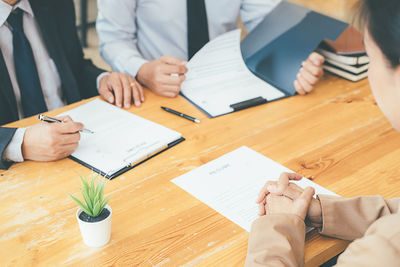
x: 275, y: 49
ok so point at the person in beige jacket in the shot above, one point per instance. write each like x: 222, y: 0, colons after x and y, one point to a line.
x: 277, y: 237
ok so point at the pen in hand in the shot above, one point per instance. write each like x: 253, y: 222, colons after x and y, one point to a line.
x: 181, y: 114
x: 42, y: 117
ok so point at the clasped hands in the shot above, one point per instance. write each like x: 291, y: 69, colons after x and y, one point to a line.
x: 285, y: 197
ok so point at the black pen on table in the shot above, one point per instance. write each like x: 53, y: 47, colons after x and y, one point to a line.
x: 42, y: 117
x: 181, y: 114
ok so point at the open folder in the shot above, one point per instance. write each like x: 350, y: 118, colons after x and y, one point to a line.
x: 120, y: 140
x: 226, y: 76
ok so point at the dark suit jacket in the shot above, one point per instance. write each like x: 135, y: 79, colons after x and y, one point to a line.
x: 56, y: 20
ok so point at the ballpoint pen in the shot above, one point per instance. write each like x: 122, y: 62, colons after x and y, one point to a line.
x: 51, y: 120
x: 181, y: 114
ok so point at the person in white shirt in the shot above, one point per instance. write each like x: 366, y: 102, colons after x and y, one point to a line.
x: 42, y: 68
x: 150, y: 40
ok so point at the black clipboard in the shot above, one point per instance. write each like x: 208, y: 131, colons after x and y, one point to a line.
x: 127, y: 168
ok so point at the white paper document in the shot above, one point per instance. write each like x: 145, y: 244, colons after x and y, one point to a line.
x: 120, y: 138
x: 230, y: 184
x: 217, y: 77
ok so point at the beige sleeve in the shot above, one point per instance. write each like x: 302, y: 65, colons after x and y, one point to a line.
x: 276, y: 240
x: 379, y: 247
x: 349, y: 218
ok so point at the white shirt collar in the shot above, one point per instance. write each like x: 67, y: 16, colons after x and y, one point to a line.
x: 6, y: 9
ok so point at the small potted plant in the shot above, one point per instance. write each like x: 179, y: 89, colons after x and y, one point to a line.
x: 94, y: 215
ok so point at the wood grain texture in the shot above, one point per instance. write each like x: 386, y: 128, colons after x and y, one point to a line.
x: 336, y: 134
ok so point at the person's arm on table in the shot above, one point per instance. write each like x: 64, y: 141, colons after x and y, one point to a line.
x: 116, y: 88
x: 371, y: 221
x: 278, y: 238
x: 349, y: 218
x: 117, y: 31
x: 6, y: 137
x: 344, y: 218
x: 380, y: 246
x: 40, y: 142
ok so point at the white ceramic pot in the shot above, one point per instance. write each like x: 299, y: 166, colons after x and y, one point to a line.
x: 95, y: 234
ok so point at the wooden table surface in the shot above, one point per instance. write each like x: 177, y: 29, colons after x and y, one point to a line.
x: 336, y: 134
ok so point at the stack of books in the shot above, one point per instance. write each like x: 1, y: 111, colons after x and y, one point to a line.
x: 346, y: 57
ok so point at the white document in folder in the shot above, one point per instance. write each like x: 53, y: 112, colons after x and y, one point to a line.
x: 230, y: 184
x: 218, y: 77
x: 120, y: 138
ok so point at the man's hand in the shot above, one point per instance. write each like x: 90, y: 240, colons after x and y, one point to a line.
x: 163, y: 76
x: 284, y: 188
x: 121, y: 89
x: 309, y: 74
x: 51, y: 141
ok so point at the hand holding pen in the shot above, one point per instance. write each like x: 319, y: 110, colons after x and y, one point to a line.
x: 42, y: 117
x: 50, y: 141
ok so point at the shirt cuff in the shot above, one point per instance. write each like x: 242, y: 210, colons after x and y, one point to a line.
x: 13, y: 151
x: 132, y: 67
x: 99, y: 78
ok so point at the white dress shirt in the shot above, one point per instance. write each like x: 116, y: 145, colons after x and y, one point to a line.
x: 133, y: 32
x: 48, y: 74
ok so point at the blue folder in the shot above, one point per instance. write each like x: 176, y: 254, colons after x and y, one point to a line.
x: 275, y: 49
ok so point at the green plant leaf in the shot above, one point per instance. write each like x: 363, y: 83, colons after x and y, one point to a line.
x: 87, y: 199
x: 104, y: 203
x: 85, y: 183
x: 93, y: 195
x: 83, y: 206
x: 96, y: 209
x: 100, y: 190
x: 92, y: 188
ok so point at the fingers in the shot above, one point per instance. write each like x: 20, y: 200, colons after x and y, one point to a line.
x: 67, y: 150
x: 172, y: 60
x: 65, y: 118
x: 169, y: 94
x: 277, y: 188
x: 173, y: 80
x: 261, y: 209
x: 309, y: 74
x: 138, y: 88
x: 174, y: 69
x: 73, y: 138
x: 307, y: 87
x: 136, y: 96
x: 299, y: 88
x: 293, y: 191
x: 107, y: 94
x: 265, y: 191
x: 303, y: 202
x: 308, y: 77
x: 120, y: 88
x: 283, y: 181
x: 68, y: 127
x: 316, y: 58
x: 312, y: 69
x: 116, y: 86
x: 169, y: 90
x: 127, y: 91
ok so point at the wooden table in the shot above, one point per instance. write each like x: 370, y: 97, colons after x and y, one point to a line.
x: 336, y: 134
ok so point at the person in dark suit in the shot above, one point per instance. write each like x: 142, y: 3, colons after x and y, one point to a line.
x: 42, y: 67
